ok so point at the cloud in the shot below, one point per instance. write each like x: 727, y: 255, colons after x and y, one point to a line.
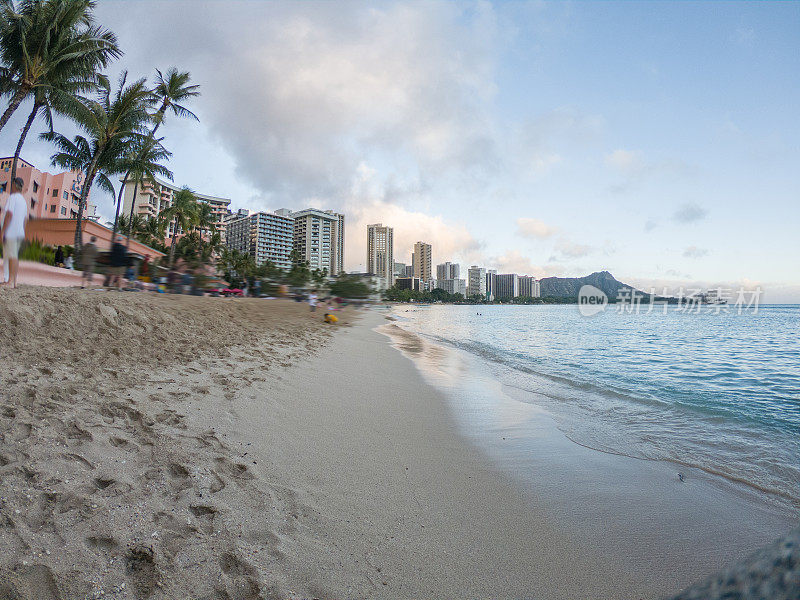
x: 650, y: 224
x: 625, y: 161
x: 301, y: 94
x: 689, y: 213
x: 534, y: 228
x: 513, y: 261
x: 571, y: 249
x: 367, y: 203
x: 694, y: 252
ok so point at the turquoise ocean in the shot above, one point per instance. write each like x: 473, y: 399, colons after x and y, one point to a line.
x: 714, y: 389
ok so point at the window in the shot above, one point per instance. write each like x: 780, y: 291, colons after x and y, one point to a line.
x: 52, y: 208
x: 35, y: 187
x: 33, y: 202
x: 63, y: 210
x: 3, y: 187
x: 55, y: 193
x: 66, y: 195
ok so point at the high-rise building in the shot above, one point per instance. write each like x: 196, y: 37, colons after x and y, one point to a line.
x: 476, y: 281
x: 452, y: 286
x: 399, y: 269
x: 422, y: 261
x: 337, y: 262
x: 408, y: 283
x: 529, y: 287
x: 154, y: 196
x: 263, y: 235
x: 491, y: 284
x: 448, y: 270
x: 409, y: 271
x: 380, y: 252
x: 319, y: 238
x: 507, y: 286
x: 48, y: 196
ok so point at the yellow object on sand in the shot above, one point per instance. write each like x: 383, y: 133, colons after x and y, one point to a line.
x: 329, y: 318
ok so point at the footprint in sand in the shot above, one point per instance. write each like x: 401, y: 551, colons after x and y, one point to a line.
x: 140, y: 566
x: 102, y: 543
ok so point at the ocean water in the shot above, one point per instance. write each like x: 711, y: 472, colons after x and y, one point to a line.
x: 718, y: 392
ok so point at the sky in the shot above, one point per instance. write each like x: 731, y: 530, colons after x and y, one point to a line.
x: 659, y: 141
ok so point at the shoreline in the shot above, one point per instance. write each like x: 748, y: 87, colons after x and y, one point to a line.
x: 670, y: 532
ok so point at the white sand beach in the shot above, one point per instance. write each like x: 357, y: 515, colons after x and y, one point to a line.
x: 176, y: 447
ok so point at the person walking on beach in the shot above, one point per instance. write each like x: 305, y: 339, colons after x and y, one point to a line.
x: 88, y: 260
x: 312, y: 301
x: 119, y: 260
x: 12, y: 230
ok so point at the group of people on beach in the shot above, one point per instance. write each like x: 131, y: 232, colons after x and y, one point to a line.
x: 329, y: 301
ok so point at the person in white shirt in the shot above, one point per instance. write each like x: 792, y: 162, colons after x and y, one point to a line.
x: 12, y: 229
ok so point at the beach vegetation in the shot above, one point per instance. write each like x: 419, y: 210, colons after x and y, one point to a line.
x: 50, y: 50
x: 183, y: 215
x: 113, y: 121
x: 169, y: 91
x: 350, y: 286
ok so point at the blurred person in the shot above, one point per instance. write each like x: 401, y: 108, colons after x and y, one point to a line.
x: 12, y: 230
x: 69, y: 263
x: 329, y: 318
x: 88, y: 261
x: 119, y: 260
x: 59, y: 258
x: 312, y: 301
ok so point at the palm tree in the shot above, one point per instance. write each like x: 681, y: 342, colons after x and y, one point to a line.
x: 155, y: 229
x: 144, y: 163
x: 182, y: 213
x: 113, y: 122
x: 45, y: 43
x: 169, y: 90
x: 62, y: 97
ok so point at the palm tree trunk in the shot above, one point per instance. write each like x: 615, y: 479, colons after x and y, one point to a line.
x: 130, y: 217
x: 84, y: 196
x: 16, y: 100
x: 119, y: 203
x: 22, y: 137
x: 173, y: 245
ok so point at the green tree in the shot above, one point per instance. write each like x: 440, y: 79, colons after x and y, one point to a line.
x: 299, y: 274
x: 144, y: 161
x: 182, y: 213
x: 350, y: 286
x: 45, y: 43
x: 169, y: 91
x: 112, y: 122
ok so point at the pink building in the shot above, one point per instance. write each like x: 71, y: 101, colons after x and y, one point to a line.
x: 49, y: 196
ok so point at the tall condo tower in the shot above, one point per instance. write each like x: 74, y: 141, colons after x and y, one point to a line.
x: 380, y: 252
x: 422, y: 261
x: 319, y: 238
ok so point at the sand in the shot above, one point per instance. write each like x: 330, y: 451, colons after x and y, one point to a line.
x: 105, y: 491
x: 173, y: 447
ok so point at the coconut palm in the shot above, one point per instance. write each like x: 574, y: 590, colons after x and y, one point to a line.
x: 62, y: 97
x: 155, y: 229
x: 113, y: 123
x: 143, y: 162
x: 45, y: 42
x: 169, y: 91
x: 182, y: 213
x: 206, y: 219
